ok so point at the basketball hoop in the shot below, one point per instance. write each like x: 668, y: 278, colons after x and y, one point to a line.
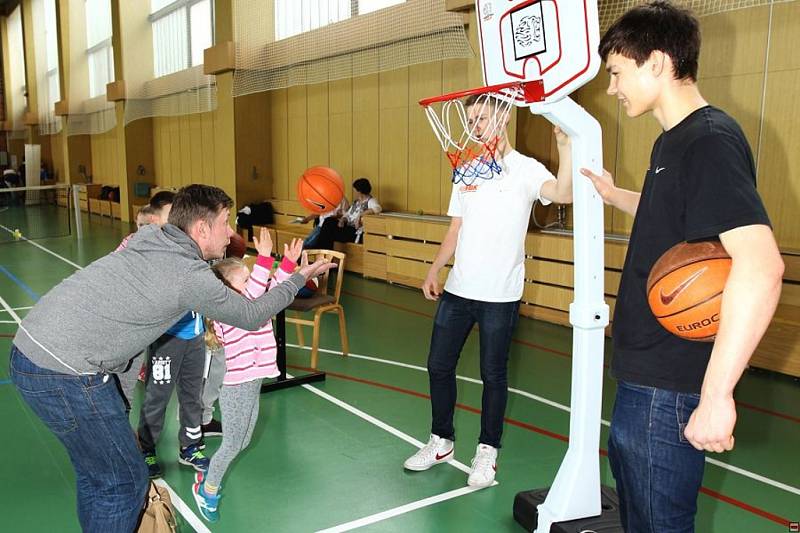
x: 472, y: 154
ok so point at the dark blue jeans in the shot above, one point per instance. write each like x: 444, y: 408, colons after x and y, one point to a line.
x: 454, y: 319
x: 87, y: 414
x: 658, y: 473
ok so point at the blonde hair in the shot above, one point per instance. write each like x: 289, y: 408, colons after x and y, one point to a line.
x: 222, y: 269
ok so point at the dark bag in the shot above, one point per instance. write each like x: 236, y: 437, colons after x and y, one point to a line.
x: 260, y: 215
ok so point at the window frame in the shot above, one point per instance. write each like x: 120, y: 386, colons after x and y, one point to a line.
x: 187, y: 5
x: 355, y: 11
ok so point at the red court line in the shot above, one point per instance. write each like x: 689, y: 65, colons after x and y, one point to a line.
x: 6, y: 335
x: 714, y: 494
x: 563, y: 354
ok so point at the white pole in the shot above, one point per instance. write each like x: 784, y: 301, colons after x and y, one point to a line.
x: 575, y: 492
x: 77, y: 207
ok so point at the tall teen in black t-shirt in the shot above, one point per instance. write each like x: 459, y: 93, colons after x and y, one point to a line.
x: 675, y: 397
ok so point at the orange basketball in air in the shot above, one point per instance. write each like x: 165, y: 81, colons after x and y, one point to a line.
x: 685, y: 286
x: 320, y: 189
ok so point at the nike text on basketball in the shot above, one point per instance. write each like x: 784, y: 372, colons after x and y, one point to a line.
x: 701, y: 324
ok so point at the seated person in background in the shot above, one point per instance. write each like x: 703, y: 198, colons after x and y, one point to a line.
x: 311, y: 241
x: 348, y: 227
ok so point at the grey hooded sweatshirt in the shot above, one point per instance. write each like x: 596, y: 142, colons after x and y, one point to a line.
x: 100, y: 317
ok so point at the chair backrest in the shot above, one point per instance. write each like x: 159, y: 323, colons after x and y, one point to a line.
x: 336, y: 257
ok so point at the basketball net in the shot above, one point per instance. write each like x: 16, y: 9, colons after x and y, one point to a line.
x: 472, y: 155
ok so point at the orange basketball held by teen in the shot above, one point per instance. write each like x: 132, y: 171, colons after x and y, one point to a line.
x: 237, y: 247
x: 320, y: 189
x: 685, y: 286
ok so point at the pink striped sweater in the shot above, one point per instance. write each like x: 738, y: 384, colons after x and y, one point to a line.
x: 250, y: 355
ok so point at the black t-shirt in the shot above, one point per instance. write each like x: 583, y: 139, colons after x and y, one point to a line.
x: 701, y: 182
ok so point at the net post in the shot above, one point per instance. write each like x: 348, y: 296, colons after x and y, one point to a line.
x: 77, y: 207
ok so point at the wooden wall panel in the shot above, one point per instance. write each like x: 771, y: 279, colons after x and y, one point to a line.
x: 390, y: 186
x: 279, y: 160
x: 252, y: 127
x: 734, y: 43
x: 297, y: 129
x: 366, y: 138
x: 424, y: 152
x: 318, y: 119
x: 779, y: 164
x: 183, y: 150
x: 340, y: 130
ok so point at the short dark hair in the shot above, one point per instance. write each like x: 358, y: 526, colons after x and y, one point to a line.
x: 162, y: 198
x: 197, y: 202
x: 658, y: 25
x: 362, y: 185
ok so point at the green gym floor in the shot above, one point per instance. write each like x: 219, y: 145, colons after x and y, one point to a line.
x: 329, y: 456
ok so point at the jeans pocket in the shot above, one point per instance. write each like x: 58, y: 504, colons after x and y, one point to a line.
x: 52, y: 407
x: 685, y: 404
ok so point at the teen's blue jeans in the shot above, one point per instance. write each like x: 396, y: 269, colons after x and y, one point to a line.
x: 658, y: 473
x: 454, y: 319
x: 88, y: 416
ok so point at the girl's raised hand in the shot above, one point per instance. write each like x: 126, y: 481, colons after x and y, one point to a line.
x: 263, y: 243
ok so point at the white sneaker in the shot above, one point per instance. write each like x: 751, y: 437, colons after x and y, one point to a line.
x: 438, y: 450
x: 484, y: 466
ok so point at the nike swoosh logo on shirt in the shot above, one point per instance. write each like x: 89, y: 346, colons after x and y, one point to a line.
x: 659, y: 169
x: 666, y: 299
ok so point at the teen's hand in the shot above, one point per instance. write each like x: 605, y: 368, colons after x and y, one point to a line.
x: 430, y: 287
x: 562, y: 139
x: 263, y: 243
x: 293, y: 251
x: 603, y: 184
x: 710, y: 427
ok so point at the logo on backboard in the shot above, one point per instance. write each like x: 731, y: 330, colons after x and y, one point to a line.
x: 468, y: 188
x: 487, y: 11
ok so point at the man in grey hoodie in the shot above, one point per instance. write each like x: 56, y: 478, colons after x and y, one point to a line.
x: 92, y: 324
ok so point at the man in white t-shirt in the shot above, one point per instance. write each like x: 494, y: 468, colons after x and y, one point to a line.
x: 489, y: 221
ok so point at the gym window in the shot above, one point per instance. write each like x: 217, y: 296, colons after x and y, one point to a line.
x: 182, y: 29
x: 100, y: 54
x: 293, y: 17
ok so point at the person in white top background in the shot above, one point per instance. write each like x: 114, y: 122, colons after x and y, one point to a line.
x: 489, y: 221
x: 348, y: 227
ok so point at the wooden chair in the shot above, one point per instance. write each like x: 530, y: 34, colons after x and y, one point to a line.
x: 325, y: 300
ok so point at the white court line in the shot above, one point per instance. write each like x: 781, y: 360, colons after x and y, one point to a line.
x: 407, y: 508
x: 17, y: 308
x: 720, y: 464
x: 735, y: 469
x: 9, y: 322
x: 397, y: 511
x: 177, y: 502
x: 36, y: 244
x: 184, y: 509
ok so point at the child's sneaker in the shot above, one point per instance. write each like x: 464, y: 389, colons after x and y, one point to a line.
x: 484, y: 466
x: 153, y: 468
x: 438, y: 450
x: 207, y: 505
x: 212, y: 429
x: 193, y: 456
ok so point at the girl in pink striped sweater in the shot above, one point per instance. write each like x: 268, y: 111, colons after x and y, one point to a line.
x: 250, y: 357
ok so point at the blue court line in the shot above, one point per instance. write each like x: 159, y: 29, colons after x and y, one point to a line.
x: 5, y: 381
x: 22, y: 285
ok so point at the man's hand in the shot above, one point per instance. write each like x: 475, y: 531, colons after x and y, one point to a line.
x: 292, y: 251
x: 430, y: 287
x: 316, y: 268
x: 263, y: 244
x: 710, y: 427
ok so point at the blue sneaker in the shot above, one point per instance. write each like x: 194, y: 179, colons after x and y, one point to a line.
x: 207, y: 505
x: 193, y: 456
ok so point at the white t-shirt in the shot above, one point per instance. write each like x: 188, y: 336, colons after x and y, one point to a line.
x: 490, y: 252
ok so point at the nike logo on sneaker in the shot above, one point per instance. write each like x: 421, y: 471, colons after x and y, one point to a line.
x: 666, y: 299
x: 440, y: 457
x: 659, y: 169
